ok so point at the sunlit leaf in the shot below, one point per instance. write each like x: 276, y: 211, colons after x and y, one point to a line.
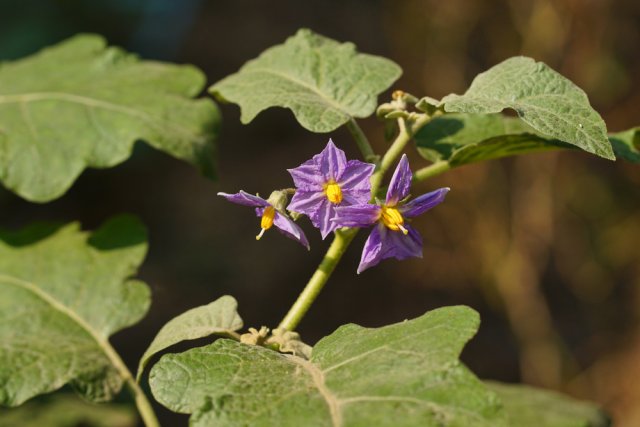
x: 80, y: 104
x: 531, y: 407
x: 323, y: 82
x: 63, y: 292
x: 406, y: 374
x: 219, y: 317
x: 550, y: 103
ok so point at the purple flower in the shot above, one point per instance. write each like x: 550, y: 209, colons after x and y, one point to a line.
x: 270, y: 215
x: 391, y: 237
x: 327, y: 181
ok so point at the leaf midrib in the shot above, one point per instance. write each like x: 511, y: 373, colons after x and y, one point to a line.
x: 102, y: 342
x: 317, y: 375
x: 97, y: 103
x: 304, y: 84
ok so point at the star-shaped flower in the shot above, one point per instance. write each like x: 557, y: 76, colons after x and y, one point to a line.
x: 271, y: 213
x: 326, y: 182
x: 391, y: 236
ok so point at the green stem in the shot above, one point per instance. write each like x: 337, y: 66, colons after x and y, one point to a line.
x: 142, y: 403
x: 394, y: 151
x: 361, y: 141
x: 341, y: 241
x: 432, y: 170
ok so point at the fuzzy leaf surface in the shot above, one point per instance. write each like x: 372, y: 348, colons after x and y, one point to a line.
x: 532, y: 407
x: 544, y: 99
x: 405, y: 374
x: 219, y: 317
x: 63, y: 292
x: 82, y: 104
x: 323, y: 82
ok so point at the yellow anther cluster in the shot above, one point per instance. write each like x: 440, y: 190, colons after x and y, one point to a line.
x: 333, y: 192
x: 392, y: 219
x: 267, y: 220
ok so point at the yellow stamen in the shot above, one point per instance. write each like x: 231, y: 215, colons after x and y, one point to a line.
x: 333, y: 192
x: 392, y: 219
x: 266, y: 222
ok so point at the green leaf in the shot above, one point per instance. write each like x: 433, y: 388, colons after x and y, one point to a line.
x: 219, y: 317
x: 466, y: 138
x: 63, y: 292
x: 530, y: 407
x: 80, y: 104
x: 323, y: 82
x: 65, y: 410
x: 404, y: 374
x: 550, y: 103
x: 626, y: 144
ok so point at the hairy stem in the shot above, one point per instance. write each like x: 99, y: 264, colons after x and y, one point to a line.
x: 341, y: 241
x: 361, y: 141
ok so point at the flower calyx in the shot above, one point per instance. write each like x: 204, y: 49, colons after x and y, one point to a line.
x: 279, y: 339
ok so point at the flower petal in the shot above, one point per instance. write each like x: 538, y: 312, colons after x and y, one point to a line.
x: 401, y: 246
x: 371, y: 253
x: 356, y: 215
x: 307, y: 176
x: 323, y: 216
x: 355, y: 197
x: 306, y: 202
x: 244, y: 198
x: 332, y: 162
x: 400, y: 182
x: 384, y: 243
x: 357, y: 176
x: 423, y: 203
x: 290, y: 229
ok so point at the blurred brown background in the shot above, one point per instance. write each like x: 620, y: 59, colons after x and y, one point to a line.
x: 545, y: 247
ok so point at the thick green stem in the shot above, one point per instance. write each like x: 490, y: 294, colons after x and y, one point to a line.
x: 341, y: 241
x: 432, y: 170
x: 361, y: 141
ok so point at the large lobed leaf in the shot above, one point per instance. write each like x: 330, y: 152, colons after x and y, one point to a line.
x: 63, y: 292
x: 219, y: 317
x: 544, y: 99
x: 323, y: 82
x: 80, y: 104
x: 406, y: 374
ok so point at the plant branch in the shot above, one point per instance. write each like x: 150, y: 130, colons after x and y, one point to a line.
x: 432, y: 170
x: 407, y: 128
x: 341, y: 241
x: 142, y: 403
